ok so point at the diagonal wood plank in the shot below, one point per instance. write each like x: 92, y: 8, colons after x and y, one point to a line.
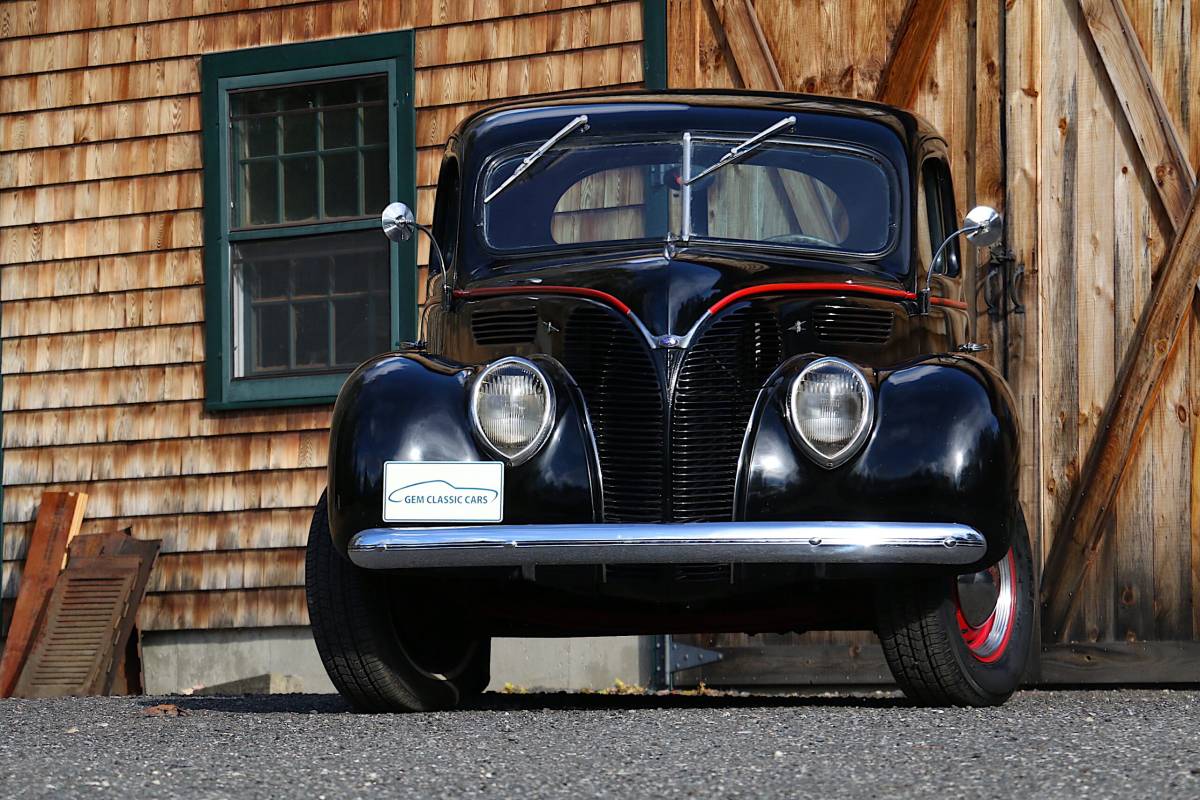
x: 735, y: 24
x: 58, y: 520
x: 1137, y: 386
x: 1152, y: 126
x: 742, y: 34
x: 916, y: 40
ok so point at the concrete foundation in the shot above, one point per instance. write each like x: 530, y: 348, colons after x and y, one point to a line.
x: 175, y: 661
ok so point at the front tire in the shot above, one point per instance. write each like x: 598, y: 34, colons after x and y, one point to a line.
x: 947, y: 648
x: 377, y: 656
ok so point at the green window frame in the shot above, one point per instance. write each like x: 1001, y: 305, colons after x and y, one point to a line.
x: 389, y: 54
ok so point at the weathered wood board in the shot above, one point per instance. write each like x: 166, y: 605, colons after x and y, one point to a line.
x: 58, y: 521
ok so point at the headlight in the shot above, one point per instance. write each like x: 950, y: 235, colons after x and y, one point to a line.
x: 512, y: 408
x: 831, y: 406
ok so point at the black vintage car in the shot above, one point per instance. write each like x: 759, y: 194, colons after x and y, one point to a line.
x: 692, y: 363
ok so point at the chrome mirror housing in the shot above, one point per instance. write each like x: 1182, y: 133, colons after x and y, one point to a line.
x: 399, y: 222
x: 400, y: 225
x: 983, y: 226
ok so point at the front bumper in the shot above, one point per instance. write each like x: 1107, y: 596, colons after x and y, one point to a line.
x: 675, y: 543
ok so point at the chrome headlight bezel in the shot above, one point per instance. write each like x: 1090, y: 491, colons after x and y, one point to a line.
x: 865, y: 423
x: 545, y: 425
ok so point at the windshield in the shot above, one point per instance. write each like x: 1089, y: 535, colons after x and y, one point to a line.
x: 788, y: 194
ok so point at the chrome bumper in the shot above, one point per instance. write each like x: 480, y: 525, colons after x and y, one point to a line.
x: 679, y: 543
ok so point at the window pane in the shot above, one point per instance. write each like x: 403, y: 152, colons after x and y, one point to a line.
x: 271, y: 329
x: 341, y: 185
x: 270, y: 280
x: 260, y: 193
x: 299, y: 133
x: 794, y: 195
x: 353, y: 339
x: 299, y: 189
x: 375, y: 125
x: 310, y: 277
x: 352, y: 281
x: 260, y: 136
x: 302, y: 292
x: 339, y: 93
x: 312, y: 334
x: 376, y: 183
x: 374, y: 88
x: 349, y: 116
x: 292, y: 98
x: 340, y: 128
x: 258, y: 102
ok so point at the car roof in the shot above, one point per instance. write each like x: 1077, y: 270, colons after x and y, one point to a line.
x: 531, y: 115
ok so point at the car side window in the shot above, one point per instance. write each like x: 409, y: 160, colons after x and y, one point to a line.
x: 445, y: 210
x: 935, y: 216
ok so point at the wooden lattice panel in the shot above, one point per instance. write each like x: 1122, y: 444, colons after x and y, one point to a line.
x: 75, y: 653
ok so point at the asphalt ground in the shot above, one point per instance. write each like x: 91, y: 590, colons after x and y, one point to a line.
x: 1129, y: 743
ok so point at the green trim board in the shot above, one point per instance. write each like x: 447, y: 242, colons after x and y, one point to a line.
x: 654, y: 43
x: 386, y: 53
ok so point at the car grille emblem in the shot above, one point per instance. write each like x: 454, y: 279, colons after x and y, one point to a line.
x: 669, y: 341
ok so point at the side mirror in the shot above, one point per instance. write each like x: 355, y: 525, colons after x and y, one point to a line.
x: 399, y: 222
x: 400, y: 225
x: 983, y: 226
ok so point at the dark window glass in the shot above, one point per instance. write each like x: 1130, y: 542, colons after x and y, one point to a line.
x: 782, y: 194
x: 341, y: 127
x: 311, y: 152
x: 300, y: 189
x: 299, y: 133
x: 375, y: 180
x: 260, y: 192
x: 939, y: 212
x: 375, y: 125
x: 260, y: 136
x: 312, y: 303
x: 341, y: 185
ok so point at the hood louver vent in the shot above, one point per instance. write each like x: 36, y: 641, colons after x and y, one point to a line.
x: 505, y: 326
x: 852, y: 324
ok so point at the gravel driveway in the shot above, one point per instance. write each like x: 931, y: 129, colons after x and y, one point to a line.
x: 1041, y: 744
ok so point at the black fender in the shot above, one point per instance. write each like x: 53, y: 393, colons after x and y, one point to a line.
x: 413, y: 407
x: 943, y: 448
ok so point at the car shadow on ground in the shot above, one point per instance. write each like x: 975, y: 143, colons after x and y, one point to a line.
x: 544, y: 701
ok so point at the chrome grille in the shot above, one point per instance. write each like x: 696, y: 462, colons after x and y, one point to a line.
x: 613, y: 368
x: 714, y: 397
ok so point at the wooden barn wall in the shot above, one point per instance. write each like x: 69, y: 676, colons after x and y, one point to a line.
x: 1102, y: 223
x: 1036, y: 130
x: 842, y: 49
x: 101, y: 284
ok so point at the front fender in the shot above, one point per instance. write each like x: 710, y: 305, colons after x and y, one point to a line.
x: 413, y: 407
x: 943, y: 448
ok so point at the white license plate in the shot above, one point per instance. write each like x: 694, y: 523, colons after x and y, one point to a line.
x: 443, y: 491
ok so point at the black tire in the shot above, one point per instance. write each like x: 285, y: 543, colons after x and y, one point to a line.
x: 928, y: 651
x: 365, y: 640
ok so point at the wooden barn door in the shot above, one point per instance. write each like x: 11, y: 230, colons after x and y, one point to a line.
x: 1075, y: 118
x: 937, y: 57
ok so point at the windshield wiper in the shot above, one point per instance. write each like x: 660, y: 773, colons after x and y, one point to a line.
x: 531, y: 159
x: 740, y: 151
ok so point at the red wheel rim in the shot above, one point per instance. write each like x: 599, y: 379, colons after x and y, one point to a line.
x: 987, y: 633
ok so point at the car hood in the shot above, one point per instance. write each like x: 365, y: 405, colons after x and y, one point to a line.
x: 670, y: 293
